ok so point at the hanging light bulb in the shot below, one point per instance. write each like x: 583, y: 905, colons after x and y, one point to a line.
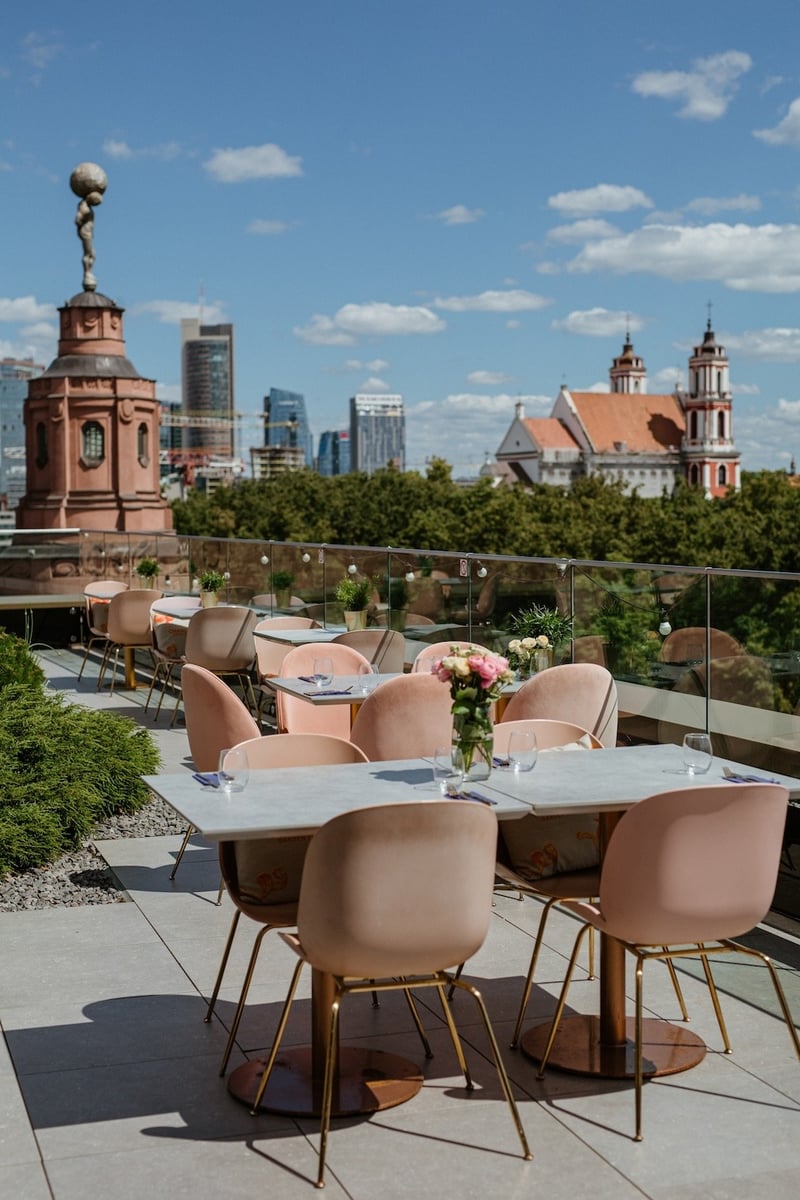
x: 352, y: 569
x: 482, y: 572
x: 306, y: 556
x: 265, y: 560
x: 226, y: 575
x: 410, y: 576
x: 664, y: 628
x: 561, y: 567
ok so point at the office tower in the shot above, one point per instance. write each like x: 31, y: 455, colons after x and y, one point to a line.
x: 377, y: 433
x: 207, y: 380
x: 333, y: 457
x: 14, y: 376
x: 286, y: 423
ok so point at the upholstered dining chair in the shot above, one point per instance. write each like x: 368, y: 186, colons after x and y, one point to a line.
x: 97, y: 597
x: 684, y: 874
x: 216, y: 719
x: 433, y: 650
x: 270, y: 655
x: 385, y: 648
x: 583, y: 693
x: 221, y: 640
x: 128, y: 628
x: 169, y: 644
x: 360, y: 923
x: 406, y: 717
x: 262, y: 876
x: 296, y: 715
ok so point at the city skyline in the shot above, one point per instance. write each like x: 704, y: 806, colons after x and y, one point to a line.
x: 463, y: 204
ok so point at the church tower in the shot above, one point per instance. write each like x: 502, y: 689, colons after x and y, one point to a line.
x: 628, y: 373
x: 91, y: 420
x: 711, y: 460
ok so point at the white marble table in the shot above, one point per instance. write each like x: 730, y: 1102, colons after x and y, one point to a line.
x: 299, y: 637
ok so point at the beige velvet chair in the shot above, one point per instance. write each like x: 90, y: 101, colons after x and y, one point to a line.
x: 128, y: 628
x: 270, y: 655
x: 685, y: 869
x: 262, y: 876
x: 582, y: 693
x: 97, y: 598
x: 296, y: 715
x: 384, y: 648
x: 361, y: 924
x: 407, y: 717
x: 429, y: 653
x: 216, y: 719
x: 689, y: 645
x: 221, y: 640
x: 169, y: 644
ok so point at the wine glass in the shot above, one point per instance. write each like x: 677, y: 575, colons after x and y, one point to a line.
x: 697, y: 753
x: 323, y: 671
x: 234, y: 770
x: 522, y: 750
x: 448, y: 770
x: 367, y: 681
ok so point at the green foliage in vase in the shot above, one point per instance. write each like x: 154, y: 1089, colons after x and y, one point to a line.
x: 282, y: 580
x: 212, y: 581
x: 354, y: 595
x: 148, y: 568
x: 538, y: 621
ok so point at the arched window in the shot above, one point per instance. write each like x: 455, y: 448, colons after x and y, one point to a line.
x: 722, y: 477
x: 694, y: 475
x: 94, y: 443
x: 141, y: 445
x: 41, y: 444
x: 693, y: 426
x: 721, y: 425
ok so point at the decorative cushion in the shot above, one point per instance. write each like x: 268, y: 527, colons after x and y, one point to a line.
x: 537, y: 847
x: 270, y: 869
x: 170, y: 638
x: 99, y: 614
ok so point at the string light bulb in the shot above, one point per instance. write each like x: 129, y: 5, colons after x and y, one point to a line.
x: 410, y: 576
x: 664, y: 628
x: 306, y: 556
x: 265, y: 560
x: 482, y: 572
x: 352, y: 569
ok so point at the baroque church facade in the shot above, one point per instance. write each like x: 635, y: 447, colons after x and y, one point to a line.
x: 648, y: 441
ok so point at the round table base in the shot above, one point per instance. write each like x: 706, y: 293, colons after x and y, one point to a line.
x: 666, y: 1050
x: 368, y: 1081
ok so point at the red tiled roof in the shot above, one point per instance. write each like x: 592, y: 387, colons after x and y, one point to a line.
x: 644, y: 423
x: 550, y: 434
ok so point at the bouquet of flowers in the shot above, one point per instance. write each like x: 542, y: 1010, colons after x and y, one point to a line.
x: 476, y: 678
x: 522, y: 651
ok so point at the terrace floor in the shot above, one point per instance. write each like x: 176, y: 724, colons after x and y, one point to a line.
x: 109, y: 1083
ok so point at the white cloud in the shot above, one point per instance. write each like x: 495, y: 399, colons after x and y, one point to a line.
x: 39, y: 50
x: 514, y: 300
x: 604, y: 197
x: 374, y: 384
x: 706, y: 90
x: 261, y: 226
x: 598, y: 322
x: 488, y: 378
x: 253, y: 162
x: 25, y: 308
x: 459, y: 214
x: 708, y: 205
x: 666, y: 380
x: 117, y: 149
x: 476, y: 424
x: 168, y: 393
x: 513, y: 324
x: 764, y: 258
x: 582, y: 231
x: 786, y: 132
x: 376, y: 319
x: 172, y: 312
x: 600, y: 386
x: 166, y: 151
x: 770, y: 345
x: 548, y: 268
x: 745, y: 389
x: 789, y: 409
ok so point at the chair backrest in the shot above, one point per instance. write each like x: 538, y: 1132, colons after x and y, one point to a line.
x: 98, y: 599
x: 296, y: 715
x: 694, y: 865
x: 105, y: 588
x: 433, y: 650
x: 426, y: 597
x: 269, y: 600
x: 216, y: 719
x: 407, y: 717
x: 385, y: 648
x: 288, y: 623
x: 548, y: 734
x: 583, y: 693
x: 358, y: 916
x: 270, y: 655
x: 300, y: 750
x: 739, y: 679
x: 221, y: 638
x: 129, y: 617
x: 689, y: 645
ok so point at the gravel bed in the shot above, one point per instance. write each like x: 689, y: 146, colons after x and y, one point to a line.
x: 82, y: 877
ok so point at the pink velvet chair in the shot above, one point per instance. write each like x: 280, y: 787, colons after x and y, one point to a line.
x: 685, y: 869
x: 429, y: 653
x: 583, y: 693
x: 406, y: 717
x: 296, y: 715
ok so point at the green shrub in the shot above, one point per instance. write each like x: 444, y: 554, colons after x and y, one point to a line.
x: 63, y: 768
x: 18, y: 664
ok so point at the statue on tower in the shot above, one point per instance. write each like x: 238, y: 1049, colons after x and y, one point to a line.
x: 88, y: 181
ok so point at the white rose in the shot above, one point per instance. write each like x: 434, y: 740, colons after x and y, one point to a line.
x: 528, y: 643
x: 543, y: 641
x: 515, y: 645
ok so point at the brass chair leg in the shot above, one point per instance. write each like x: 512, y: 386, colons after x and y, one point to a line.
x: 526, y: 991
x: 562, y: 1000
x: 673, y: 974
x: 182, y: 850
x: 223, y: 964
x: 251, y: 966
x: 423, y: 1037
x: 639, y: 1043
x: 276, y: 1041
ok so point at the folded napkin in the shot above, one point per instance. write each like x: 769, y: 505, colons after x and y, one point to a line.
x: 733, y: 778
x: 207, y: 778
x: 329, y: 692
x: 308, y: 678
x: 499, y: 762
x: 479, y: 796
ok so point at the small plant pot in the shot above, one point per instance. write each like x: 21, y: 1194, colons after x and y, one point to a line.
x: 397, y: 618
x: 355, y: 620
x: 282, y: 598
x: 209, y: 599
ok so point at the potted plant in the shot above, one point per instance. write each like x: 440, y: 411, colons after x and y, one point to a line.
x: 539, y: 631
x: 211, y: 583
x: 354, y: 595
x: 281, y: 588
x: 397, y: 596
x: 147, y: 569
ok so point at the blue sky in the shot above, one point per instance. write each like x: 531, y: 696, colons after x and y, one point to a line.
x: 457, y: 200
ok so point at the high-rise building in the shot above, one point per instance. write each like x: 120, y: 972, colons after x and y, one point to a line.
x: 333, y: 456
x: 377, y: 433
x: 286, y: 423
x: 14, y: 374
x: 207, y: 381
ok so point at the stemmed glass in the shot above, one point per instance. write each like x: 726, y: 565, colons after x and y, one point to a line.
x: 697, y: 753
x: 448, y: 770
x: 323, y: 672
x: 522, y: 750
x: 366, y: 679
x: 234, y: 770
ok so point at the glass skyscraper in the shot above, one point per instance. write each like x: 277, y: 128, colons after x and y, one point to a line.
x: 14, y: 376
x: 286, y: 423
x: 333, y: 456
x: 207, y: 379
x: 377, y: 433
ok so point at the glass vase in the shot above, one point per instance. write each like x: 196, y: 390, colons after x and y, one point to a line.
x: 544, y: 658
x: 473, y: 740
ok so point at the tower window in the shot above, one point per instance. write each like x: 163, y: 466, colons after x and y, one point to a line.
x: 721, y: 425
x: 41, y: 445
x: 141, y: 445
x: 93, y: 443
x: 693, y: 426
x: 722, y: 476
x: 694, y: 475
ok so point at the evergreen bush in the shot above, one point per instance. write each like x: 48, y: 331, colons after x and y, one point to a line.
x: 18, y: 664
